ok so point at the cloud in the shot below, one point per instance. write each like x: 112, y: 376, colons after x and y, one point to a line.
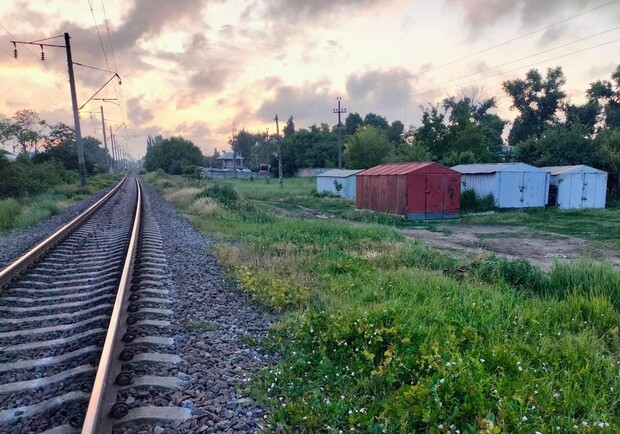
x: 307, y: 103
x: 136, y: 113
x: 198, y: 132
x: 297, y: 10
x: 480, y: 14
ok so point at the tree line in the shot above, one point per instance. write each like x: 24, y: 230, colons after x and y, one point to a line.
x: 548, y: 130
x: 46, y: 154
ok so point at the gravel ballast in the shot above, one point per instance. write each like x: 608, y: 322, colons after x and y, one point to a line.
x: 215, y: 362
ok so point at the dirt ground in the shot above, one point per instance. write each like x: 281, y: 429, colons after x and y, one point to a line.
x: 538, y: 247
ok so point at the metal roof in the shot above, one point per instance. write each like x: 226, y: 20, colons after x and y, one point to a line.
x: 338, y: 173
x: 403, y: 168
x: 580, y: 168
x: 485, y: 168
x: 229, y: 156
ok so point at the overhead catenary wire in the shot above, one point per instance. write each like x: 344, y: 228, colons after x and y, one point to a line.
x: 60, y: 88
x: 438, y: 86
x: 120, y: 91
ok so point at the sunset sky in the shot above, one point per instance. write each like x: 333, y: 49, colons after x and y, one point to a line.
x: 192, y: 67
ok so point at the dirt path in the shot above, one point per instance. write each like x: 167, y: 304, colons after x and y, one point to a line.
x: 538, y: 247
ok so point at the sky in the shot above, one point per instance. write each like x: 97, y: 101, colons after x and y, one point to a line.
x: 196, y: 67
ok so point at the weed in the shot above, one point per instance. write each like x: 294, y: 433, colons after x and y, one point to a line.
x: 9, y: 212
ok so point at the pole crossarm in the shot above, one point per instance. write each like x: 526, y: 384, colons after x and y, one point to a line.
x: 101, y: 88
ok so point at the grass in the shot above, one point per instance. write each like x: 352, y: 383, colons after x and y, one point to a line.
x: 22, y: 213
x: 381, y: 334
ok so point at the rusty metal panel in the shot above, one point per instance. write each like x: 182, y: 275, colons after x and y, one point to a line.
x: 382, y: 193
x: 416, y: 194
x: 452, y: 196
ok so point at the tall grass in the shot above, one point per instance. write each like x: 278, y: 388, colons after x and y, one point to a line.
x: 382, y: 334
x: 9, y: 211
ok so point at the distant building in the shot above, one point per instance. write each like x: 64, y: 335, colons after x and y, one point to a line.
x: 226, y: 161
x: 337, y: 181
x: 576, y: 187
x: 513, y: 185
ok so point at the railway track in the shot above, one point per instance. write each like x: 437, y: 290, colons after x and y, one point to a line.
x: 83, y: 325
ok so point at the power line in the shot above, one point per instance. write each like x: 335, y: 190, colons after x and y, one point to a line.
x: 438, y: 86
x: 501, y: 44
x: 37, y: 56
x: 120, y: 91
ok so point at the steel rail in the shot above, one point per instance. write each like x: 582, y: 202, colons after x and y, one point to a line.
x: 104, y: 391
x: 25, y: 261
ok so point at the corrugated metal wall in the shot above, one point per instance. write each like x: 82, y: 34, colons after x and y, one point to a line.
x: 385, y: 193
x: 581, y: 190
x: 326, y: 183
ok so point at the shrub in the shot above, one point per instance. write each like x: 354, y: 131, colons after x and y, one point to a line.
x: 9, y: 212
x: 471, y: 202
x: 519, y: 274
x: 224, y: 194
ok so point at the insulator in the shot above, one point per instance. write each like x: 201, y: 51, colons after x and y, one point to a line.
x: 42, y: 54
x: 15, y: 53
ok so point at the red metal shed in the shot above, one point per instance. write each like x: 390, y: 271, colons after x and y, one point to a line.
x: 415, y: 190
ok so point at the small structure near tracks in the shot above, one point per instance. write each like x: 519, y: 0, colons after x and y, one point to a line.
x: 576, y: 187
x: 513, y: 185
x: 417, y: 191
x: 339, y: 182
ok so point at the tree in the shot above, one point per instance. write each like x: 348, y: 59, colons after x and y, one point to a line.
x: 243, y: 144
x: 560, y: 145
x: 407, y: 152
x: 174, y: 155
x: 28, y: 130
x: 609, y: 144
x: 377, y: 121
x: 6, y: 130
x: 316, y: 147
x: 607, y: 94
x: 352, y: 123
x: 395, y: 131
x: 538, y: 100
x: 366, y: 148
x: 289, y: 128
x: 586, y: 115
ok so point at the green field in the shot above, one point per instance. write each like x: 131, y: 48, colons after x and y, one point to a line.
x: 378, y: 333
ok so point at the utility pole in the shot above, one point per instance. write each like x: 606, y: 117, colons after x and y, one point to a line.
x: 339, y: 111
x: 232, y: 145
x: 113, y: 149
x: 280, y: 179
x: 105, y: 139
x: 76, y: 114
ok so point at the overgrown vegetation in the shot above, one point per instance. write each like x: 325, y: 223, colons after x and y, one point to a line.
x: 381, y: 334
x: 472, y: 202
x: 25, y: 210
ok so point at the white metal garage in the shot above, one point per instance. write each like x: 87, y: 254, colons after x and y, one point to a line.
x: 337, y: 181
x: 513, y: 185
x: 575, y: 187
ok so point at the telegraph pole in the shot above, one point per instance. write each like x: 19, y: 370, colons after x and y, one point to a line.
x: 105, y: 139
x: 339, y: 111
x: 112, y: 147
x: 76, y: 114
x: 232, y: 145
x: 280, y: 178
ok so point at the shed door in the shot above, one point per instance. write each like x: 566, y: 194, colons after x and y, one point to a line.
x: 588, y: 193
x: 435, y: 185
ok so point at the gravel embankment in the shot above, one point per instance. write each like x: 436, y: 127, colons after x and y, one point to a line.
x: 15, y: 243
x: 210, y: 322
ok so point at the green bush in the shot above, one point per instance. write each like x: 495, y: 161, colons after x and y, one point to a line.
x: 471, y: 202
x: 30, y: 216
x: 224, y: 194
x: 9, y: 212
x: 518, y: 274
